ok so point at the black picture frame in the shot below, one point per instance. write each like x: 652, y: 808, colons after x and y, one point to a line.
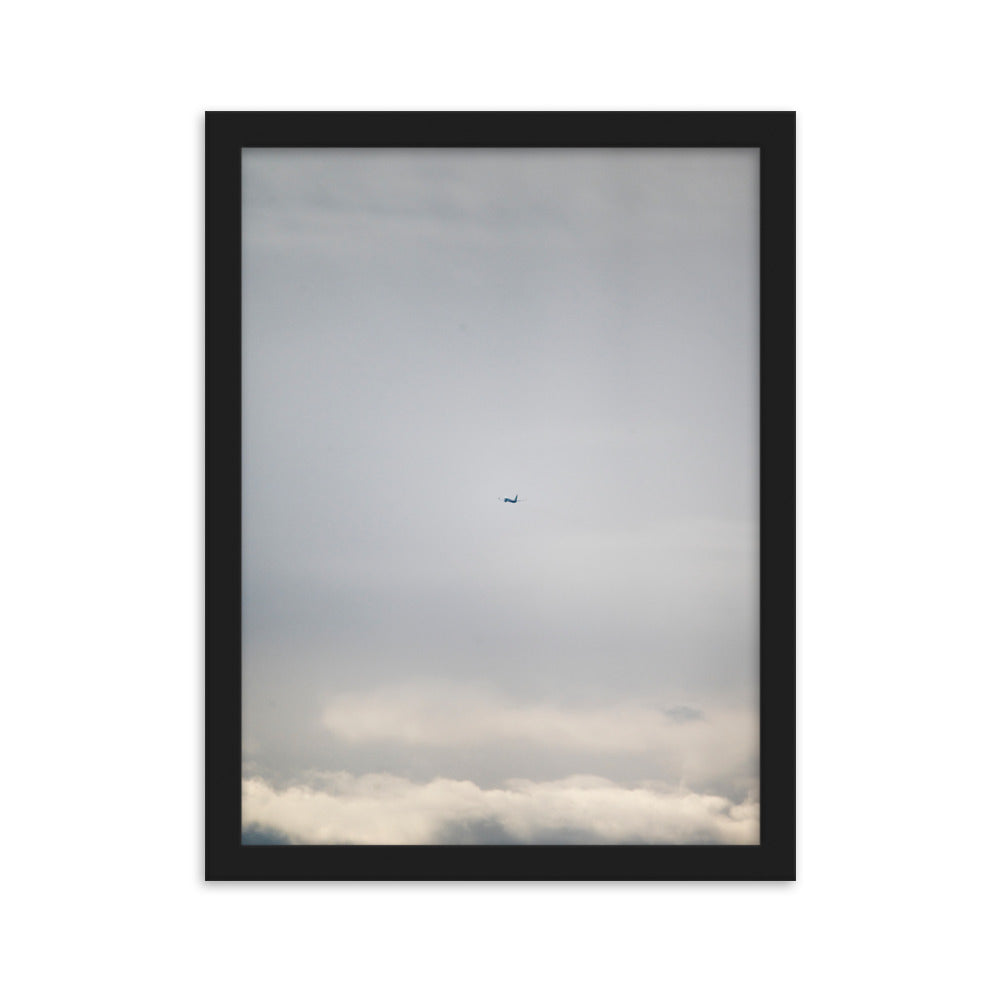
x: 227, y: 134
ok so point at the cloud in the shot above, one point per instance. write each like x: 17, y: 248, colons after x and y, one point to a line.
x: 683, y: 739
x: 466, y: 717
x: 341, y: 808
x: 256, y: 836
x: 684, y: 713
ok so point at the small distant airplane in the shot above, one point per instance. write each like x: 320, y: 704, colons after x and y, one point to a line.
x: 508, y: 499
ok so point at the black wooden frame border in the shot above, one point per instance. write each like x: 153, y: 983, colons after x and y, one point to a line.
x: 227, y: 134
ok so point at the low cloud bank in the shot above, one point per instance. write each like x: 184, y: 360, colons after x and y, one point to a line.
x: 341, y: 808
x: 459, y: 717
x: 701, y: 747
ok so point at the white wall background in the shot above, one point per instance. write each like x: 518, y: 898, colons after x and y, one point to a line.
x: 100, y: 399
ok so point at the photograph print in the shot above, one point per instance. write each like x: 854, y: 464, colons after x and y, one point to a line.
x: 499, y: 497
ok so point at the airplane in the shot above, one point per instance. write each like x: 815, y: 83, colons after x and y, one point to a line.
x: 508, y: 499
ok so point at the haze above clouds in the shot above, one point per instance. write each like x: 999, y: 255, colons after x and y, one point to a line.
x: 426, y: 331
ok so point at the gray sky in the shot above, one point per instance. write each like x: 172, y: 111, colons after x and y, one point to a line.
x: 427, y: 331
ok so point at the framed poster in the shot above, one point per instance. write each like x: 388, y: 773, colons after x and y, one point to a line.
x: 500, y: 502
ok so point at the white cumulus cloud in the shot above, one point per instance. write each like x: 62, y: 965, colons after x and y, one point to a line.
x: 341, y: 808
x: 688, y: 743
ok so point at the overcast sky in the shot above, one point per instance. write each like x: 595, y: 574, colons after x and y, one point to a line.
x: 425, y: 332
